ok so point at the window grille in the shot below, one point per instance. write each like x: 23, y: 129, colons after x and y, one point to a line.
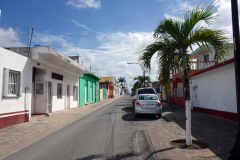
x: 13, y: 83
x: 59, y: 91
x: 75, y: 89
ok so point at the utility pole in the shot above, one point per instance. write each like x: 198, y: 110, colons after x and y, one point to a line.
x: 235, y: 152
x: 28, y: 36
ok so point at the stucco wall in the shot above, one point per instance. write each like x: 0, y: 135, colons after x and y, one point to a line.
x: 216, y: 90
x: 90, y: 79
x: 14, y: 61
x: 57, y: 104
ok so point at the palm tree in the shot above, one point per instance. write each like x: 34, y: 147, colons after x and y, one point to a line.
x: 121, y: 80
x: 181, y: 34
x: 140, y: 82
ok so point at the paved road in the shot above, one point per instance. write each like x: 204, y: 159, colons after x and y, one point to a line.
x: 108, y: 133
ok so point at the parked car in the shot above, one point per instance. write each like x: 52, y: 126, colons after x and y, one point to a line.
x: 148, y: 104
x: 143, y: 91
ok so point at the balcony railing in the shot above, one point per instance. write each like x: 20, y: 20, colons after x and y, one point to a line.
x: 198, y: 65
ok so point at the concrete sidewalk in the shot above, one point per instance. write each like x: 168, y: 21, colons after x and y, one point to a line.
x: 19, y: 136
x: 217, y: 132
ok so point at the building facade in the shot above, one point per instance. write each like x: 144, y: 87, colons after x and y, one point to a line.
x: 212, y: 84
x: 89, y: 89
x: 55, y: 79
x: 15, y: 88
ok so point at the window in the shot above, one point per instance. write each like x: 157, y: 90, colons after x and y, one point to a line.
x: 39, y: 88
x: 59, y: 91
x: 149, y: 90
x: 75, y: 91
x: 206, y: 57
x: 147, y: 97
x: 107, y: 81
x: 11, y: 82
x: 57, y: 76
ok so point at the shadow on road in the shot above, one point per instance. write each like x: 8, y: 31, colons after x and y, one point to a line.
x: 130, y: 116
x: 118, y: 156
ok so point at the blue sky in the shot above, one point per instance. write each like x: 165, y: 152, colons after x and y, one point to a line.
x: 105, y: 33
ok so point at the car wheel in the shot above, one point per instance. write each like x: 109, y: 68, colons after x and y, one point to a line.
x: 159, y: 116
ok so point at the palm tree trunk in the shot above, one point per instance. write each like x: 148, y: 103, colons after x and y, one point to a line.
x: 187, y: 108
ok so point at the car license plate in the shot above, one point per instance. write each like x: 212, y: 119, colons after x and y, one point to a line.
x: 149, y: 106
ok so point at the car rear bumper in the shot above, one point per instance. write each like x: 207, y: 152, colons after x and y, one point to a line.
x: 139, y: 110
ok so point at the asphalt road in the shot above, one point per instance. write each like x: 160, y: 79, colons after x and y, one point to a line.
x: 108, y: 133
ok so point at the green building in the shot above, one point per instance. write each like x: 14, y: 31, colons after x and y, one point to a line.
x: 88, y: 89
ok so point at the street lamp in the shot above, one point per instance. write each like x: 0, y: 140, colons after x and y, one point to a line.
x: 235, y: 152
x: 143, y: 72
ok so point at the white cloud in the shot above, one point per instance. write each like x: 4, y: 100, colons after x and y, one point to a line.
x: 181, y: 6
x: 180, y: 19
x: 90, y: 58
x: 85, y: 3
x: 81, y: 25
x: 122, y: 64
x: 128, y: 73
x: 10, y: 38
x: 68, y: 33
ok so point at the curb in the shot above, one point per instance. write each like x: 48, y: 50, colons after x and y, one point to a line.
x: 144, y: 146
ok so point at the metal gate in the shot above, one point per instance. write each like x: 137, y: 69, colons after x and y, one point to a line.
x: 104, y: 93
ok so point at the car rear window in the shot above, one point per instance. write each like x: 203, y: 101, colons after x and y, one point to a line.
x: 143, y: 91
x: 148, y: 97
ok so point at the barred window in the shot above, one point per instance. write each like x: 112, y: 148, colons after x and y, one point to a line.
x: 13, y: 83
x: 75, y: 91
x: 59, y: 91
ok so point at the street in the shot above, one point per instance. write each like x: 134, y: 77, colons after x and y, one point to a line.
x: 108, y: 133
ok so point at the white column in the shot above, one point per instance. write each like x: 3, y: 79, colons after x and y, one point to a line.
x: 188, y: 123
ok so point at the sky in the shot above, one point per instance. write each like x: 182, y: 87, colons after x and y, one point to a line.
x: 106, y: 34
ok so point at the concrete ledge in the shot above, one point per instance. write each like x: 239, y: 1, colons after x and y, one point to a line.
x: 144, y: 146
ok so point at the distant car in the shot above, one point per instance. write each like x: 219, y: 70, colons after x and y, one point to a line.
x: 143, y: 91
x: 148, y: 104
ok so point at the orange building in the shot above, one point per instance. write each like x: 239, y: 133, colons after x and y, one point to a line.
x: 108, y: 83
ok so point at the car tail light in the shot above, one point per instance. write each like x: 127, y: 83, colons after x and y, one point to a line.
x: 138, y: 104
x: 159, y: 104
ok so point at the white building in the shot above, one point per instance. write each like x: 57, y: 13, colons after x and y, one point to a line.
x: 54, y: 78
x: 213, y: 89
x: 15, y: 88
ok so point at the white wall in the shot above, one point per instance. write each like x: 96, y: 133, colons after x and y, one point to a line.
x: 216, y: 90
x: 68, y: 79
x: 14, y: 61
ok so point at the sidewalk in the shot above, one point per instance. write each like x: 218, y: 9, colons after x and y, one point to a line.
x: 19, y: 136
x: 216, y: 131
